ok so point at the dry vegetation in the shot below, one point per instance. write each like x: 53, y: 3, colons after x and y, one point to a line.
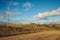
x: 47, y: 35
x: 36, y: 30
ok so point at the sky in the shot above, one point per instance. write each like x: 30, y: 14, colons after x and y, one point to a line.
x: 30, y: 11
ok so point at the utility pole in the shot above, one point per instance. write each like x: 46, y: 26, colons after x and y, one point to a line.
x: 8, y: 15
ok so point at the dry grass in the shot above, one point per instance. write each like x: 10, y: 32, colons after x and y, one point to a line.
x: 38, y: 32
x: 13, y: 29
x: 46, y: 35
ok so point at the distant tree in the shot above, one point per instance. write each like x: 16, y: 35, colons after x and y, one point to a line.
x: 54, y: 25
x: 33, y: 23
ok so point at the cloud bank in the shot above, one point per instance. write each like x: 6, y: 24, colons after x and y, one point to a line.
x: 48, y: 14
x: 40, y: 18
x: 47, y: 22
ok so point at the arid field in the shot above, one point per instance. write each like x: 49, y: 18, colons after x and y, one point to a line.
x: 30, y: 32
x: 47, y: 35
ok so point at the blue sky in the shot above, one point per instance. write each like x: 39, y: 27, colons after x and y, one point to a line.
x: 30, y: 11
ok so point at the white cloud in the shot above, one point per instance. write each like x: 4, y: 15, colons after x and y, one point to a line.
x: 1, y: 17
x: 47, y: 21
x: 50, y: 22
x: 12, y: 3
x: 15, y: 3
x: 27, y: 5
x: 40, y: 17
x: 13, y: 13
x: 48, y: 14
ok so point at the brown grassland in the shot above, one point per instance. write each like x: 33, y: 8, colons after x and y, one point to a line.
x: 30, y: 31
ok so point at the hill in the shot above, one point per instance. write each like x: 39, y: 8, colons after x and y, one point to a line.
x: 19, y: 29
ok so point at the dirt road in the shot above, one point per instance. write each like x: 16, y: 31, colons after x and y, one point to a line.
x: 46, y: 35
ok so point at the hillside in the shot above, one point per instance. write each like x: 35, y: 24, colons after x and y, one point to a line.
x: 27, y: 29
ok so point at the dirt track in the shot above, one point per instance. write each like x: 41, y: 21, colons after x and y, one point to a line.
x: 47, y: 35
